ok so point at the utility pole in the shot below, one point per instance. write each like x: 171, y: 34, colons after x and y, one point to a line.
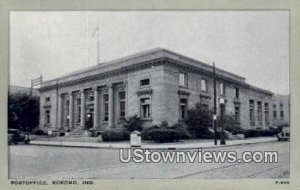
x: 215, y: 106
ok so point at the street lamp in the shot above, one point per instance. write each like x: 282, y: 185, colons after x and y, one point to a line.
x: 222, y: 104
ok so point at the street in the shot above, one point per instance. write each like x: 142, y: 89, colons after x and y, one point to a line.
x: 48, y: 162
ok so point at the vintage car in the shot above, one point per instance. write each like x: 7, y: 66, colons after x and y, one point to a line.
x: 284, y: 134
x: 15, y: 136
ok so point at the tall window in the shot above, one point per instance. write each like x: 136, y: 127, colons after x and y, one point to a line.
x: 68, y: 106
x: 145, y: 108
x: 182, y: 79
x: 47, y: 99
x: 91, y: 97
x: 145, y: 82
x: 275, y: 114
x: 122, y: 102
x: 237, y: 92
x: 47, y: 114
x: 203, y: 85
x: 281, y: 114
x: 237, y: 113
x: 183, y: 108
x: 281, y: 111
x: 267, y: 119
x: 79, y: 110
x: 222, y: 88
x: 105, y: 103
x: 259, y: 113
x: 251, y: 110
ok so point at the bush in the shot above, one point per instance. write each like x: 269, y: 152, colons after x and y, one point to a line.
x: 145, y: 132
x: 230, y: 124
x: 165, y: 133
x: 38, y: 131
x: 115, y: 134
x: 183, y: 129
x: 259, y: 133
x: 198, y: 121
x: 133, y: 123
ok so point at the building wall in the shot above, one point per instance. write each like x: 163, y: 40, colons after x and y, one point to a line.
x: 164, y: 92
x: 281, y: 103
x: 132, y: 88
x: 171, y: 78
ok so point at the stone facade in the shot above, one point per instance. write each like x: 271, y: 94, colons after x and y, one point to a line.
x: 157, y: 85
x: 281, y: 109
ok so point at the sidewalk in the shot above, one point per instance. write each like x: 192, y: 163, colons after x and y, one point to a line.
x: 195, y: 144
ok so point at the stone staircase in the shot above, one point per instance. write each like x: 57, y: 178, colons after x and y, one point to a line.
x: 78, y: 133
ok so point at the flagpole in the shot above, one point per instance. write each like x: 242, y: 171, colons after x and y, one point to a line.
x: 98, y: 61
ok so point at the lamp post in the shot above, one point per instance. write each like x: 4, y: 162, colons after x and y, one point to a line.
x: 222, y: 104
x: 215, y: 107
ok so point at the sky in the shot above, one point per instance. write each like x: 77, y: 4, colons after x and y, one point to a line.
x: 252, y: 44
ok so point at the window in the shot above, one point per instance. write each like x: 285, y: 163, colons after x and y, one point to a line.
x: 68, y: 106
x: 79, y: 110
x: 275, y: 114
x: 122, y: 101
x: 105, y: 103
x: 47, y: 117
x: 47, y: 99
x: 281, y: 115
x: 183, y: 79
x: 183, y: 108
x: 145, y: 108
x: 145, y: 82
x: 237, y: 92
x: 203, y: 85
x: 251, y: 110
x: 259, y: 113
x: 237, y: 113
x: 91, y: 97
x: 267, y: 119
x: 222, y: 89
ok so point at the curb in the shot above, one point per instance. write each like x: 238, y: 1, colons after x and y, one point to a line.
x: 110, y: 146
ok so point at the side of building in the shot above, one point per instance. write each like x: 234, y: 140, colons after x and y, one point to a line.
x: 157, y: 85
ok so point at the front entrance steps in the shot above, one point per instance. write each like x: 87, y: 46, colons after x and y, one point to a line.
x: 78, y: 133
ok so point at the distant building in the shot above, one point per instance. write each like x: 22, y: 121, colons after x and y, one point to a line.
x: 157, y: 85
x: 21, y: 89
x: 281, y: 109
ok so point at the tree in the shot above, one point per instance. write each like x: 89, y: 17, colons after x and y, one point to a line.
x: 198, y: 120
x: 133, y: 123
x: 23, y: 111
x: 230, y: 124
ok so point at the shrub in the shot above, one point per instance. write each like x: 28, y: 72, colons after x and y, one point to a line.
x: 115, y: 134
x: 230, y: 124
x: 38, y: 131
x: 182, y: 128
x: 133, y: 123
x: 198, y: 121
x: 259, y: 133
x: 165, y: 133
x: 145, y: 132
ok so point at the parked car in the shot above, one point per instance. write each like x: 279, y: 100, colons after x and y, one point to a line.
x: 15, y: 136
x: 284, y: 135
